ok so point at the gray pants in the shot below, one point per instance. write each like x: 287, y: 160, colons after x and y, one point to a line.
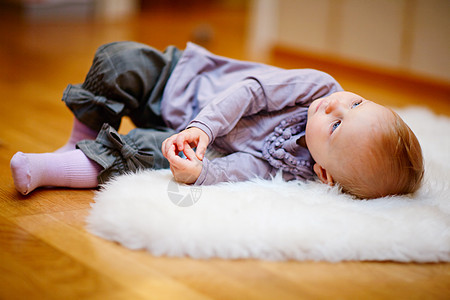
x: 125, y: 79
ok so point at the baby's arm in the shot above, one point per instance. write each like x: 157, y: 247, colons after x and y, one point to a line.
x: 189, y: 169
x: 272, y: 91
x: 238, y: 166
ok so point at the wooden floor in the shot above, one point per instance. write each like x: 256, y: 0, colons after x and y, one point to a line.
x: 45, y: 251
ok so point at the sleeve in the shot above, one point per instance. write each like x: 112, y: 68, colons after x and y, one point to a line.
x: 268, y: 92
x: 238, y: 166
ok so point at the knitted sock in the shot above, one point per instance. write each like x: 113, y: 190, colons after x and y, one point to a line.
x: 68, y: 169
x: 79, y: 132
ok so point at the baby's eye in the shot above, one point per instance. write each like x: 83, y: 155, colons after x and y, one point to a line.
x: 335, y: 125
x: 356, y: 103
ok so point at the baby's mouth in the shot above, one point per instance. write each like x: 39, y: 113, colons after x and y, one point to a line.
x: 319, y: 105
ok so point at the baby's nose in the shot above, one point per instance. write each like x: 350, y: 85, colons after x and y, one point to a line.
x: 332, y: 105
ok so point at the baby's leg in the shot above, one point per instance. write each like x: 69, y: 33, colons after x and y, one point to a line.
x: 96, y: 161
x: 68, y: 169
x: 79, y: 132
x: 125, y: 79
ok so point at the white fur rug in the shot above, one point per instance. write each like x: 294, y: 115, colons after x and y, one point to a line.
x: 278, y: 220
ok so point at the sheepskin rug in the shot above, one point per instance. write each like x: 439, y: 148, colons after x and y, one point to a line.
x: 276, y: 220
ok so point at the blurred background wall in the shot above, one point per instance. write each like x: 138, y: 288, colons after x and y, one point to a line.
x: 35, y: 10
x: 409, y: 36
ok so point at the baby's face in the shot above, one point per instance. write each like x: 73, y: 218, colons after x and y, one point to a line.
x: 339, y: 127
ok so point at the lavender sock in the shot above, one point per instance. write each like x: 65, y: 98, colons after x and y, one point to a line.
x: 79, y: 132
x: 68, y: 169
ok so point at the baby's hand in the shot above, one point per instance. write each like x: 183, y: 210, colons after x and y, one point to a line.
x: 184, y: 170
x: 189, y: 169
x: 193, y: 136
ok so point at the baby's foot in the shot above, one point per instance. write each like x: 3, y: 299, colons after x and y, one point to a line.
x: 21, y: 173
x: 67, y: 169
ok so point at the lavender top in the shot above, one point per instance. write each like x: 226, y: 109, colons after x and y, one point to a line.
x: 253, y: 113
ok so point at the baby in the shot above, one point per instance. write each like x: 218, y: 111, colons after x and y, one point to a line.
x: 362, y: 145
x: 261, y: 119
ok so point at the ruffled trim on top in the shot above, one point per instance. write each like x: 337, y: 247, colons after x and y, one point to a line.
x: 274, y: 150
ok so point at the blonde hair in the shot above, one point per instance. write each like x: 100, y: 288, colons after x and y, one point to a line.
x: 393, y: 163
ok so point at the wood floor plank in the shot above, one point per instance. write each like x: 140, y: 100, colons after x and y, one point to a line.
x: 362, y: 280
x: 104, y: 257
x: 30, y: 268
x: 42, y: 201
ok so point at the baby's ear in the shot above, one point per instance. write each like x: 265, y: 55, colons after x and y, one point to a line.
x: 323, y: 174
